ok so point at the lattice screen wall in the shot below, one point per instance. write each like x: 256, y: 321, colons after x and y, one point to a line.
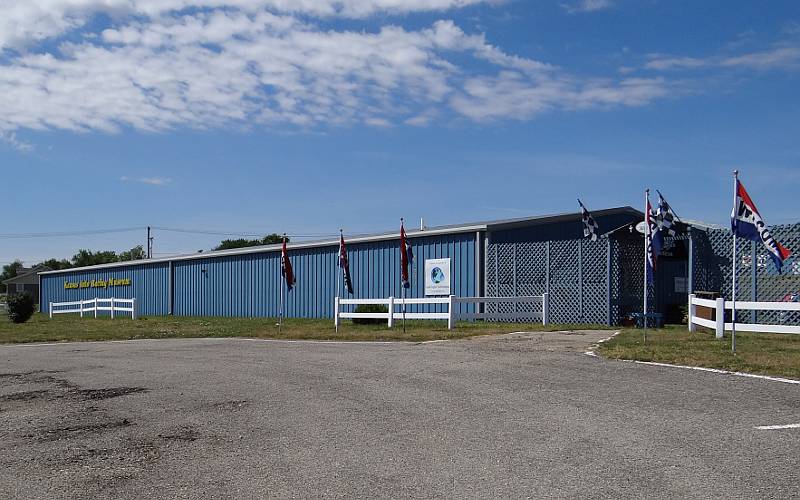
x: 573, y: 272
x: 712, y: 270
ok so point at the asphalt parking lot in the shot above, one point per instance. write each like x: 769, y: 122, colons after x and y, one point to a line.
x: 514, y: 416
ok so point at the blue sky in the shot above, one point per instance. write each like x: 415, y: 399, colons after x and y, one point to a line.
x: 270, y: 116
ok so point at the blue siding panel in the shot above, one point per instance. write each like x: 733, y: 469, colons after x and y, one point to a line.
x: 149, y: 285
x: 249, y: 284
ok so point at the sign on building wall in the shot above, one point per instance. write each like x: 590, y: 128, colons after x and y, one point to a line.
x: 437, y: 276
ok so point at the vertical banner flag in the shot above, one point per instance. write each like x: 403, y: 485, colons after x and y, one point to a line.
x: 286, y: 267
x: 665, y: 216
x: 404, y: 257
x: 747, y: 223
x: 344, y: 263
x: 589, y: 224
x: 652, y: 240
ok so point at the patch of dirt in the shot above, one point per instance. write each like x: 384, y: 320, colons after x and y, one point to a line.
x: 74, y: 430
x: 111, y: 392
x: 24, y: 396
x: 185, y: 433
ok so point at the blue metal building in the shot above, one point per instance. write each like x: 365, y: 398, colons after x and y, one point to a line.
x: 245, y: 282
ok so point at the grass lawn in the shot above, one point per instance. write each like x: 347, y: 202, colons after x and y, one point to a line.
x: 72, y: 328
x: 761, y: 353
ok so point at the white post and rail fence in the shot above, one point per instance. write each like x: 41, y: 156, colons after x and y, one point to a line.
x: 95, y: 306
x: 453, y: 312
x: 719, y: 306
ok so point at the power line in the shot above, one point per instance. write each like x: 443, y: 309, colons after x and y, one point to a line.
x: 57, y: 234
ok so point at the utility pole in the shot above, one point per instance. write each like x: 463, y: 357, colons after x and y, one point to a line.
x: 149, y: 244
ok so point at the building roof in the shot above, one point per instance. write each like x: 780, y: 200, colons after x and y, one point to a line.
x: 27, y: 275
x: 492, y: 225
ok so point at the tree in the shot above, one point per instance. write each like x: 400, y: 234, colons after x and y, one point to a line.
x: 135, y: 253
x: 89, y: 258
x: 56, y: 264
x: 10, y: 271
x: 270, y: 239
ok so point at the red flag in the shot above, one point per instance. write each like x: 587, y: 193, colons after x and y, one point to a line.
x: 403, y: 257
x: 344, y: 263
x: 286, y: 267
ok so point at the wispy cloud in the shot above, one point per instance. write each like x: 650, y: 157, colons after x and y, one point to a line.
x: 777, y: 57
x: 10, y: 138
x: 581, y: 6
x: 153, y: 181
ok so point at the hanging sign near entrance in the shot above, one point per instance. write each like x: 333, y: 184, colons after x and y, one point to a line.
x: 437, y: 276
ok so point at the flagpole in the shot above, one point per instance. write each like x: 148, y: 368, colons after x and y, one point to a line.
x: 646, y: 232
x: 280, y: 313
x: 282, y: 281
x: 339, y: 272
x: 733, y: 278
x: 402, y: 287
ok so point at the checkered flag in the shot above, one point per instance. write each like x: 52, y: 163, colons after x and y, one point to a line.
x: 589, y: 225
x: 665, y: 216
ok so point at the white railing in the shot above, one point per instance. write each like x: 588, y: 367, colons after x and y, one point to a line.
x: 451, y: 315
x: 721, y: 305
x: 95, y: 305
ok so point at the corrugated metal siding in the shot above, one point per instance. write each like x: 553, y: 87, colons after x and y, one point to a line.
x: 248, y: 285
x: 149, y: 284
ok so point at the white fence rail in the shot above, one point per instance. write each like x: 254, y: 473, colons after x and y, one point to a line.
x: 452, y: 314
x: 95, y: 305
x: 721, y: 305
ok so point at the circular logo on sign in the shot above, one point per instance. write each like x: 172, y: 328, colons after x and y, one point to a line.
x: 437, y: 275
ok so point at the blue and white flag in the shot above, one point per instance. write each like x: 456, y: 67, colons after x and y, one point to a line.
x: 747, y: 223
x: 654, y: 241
x: 665, y: 217
x: 589, y: 224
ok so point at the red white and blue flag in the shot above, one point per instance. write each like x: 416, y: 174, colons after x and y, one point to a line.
x: 286, y: 267
x: 344, y: 264
x: 747, y: 223
x: 404, y: 257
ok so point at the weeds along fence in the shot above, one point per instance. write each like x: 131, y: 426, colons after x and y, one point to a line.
x: 700, y: 315
x: 528, y: 309
x: 95, y: 306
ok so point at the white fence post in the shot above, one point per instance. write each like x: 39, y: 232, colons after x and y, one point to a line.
x: 112, y: 307
x: 51, y: 310
x: 692, y: 313
x: 81, y: 308
x: 451, y: 312
x: 720, y: 315
x: 336, y: 313
x: 545, y: 308
x: 133, y: 308
x: 95, y: 307
x: 391, y: 312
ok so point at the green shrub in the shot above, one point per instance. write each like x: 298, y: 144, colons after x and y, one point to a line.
x: 20, y: 307
x: 370, y: 308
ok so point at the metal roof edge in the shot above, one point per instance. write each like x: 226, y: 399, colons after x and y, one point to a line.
x: 274, y: 248
x: 454, y: 229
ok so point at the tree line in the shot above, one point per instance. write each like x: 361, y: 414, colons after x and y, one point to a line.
x: 90, y: 258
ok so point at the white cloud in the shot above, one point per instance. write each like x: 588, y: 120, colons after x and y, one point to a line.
x: 581, y: 6
x: 28, y: 20
x: 11, y: 139
x: 244, y: 66
x: 153, y: 181
x: 778, y: 57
